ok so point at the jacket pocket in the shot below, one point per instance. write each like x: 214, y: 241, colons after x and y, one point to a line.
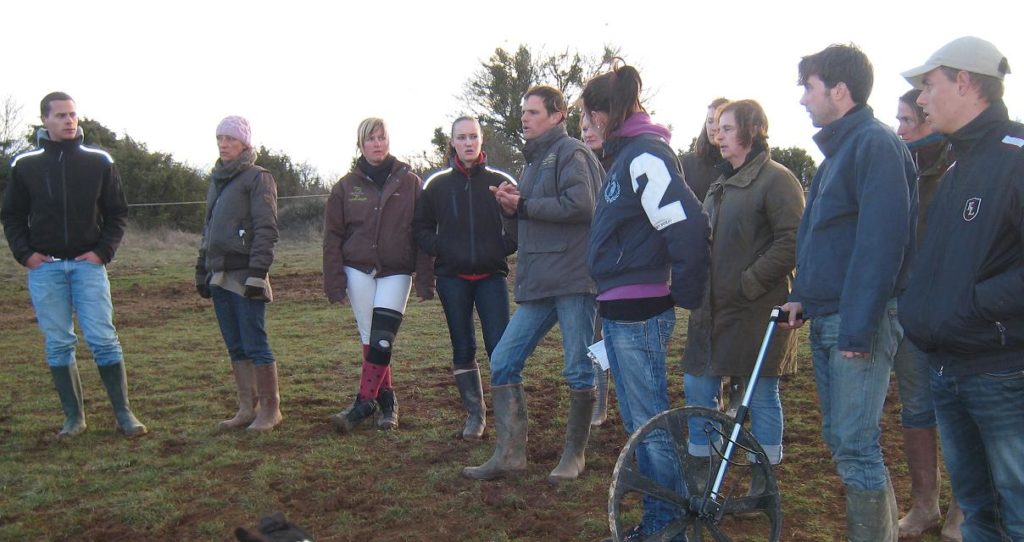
x: 965, y: 332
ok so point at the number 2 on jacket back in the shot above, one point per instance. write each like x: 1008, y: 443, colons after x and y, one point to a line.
x: 658, y: 180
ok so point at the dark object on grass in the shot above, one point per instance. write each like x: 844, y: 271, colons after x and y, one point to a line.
x: 274, y: 528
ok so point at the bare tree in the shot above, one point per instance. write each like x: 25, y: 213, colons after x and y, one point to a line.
x: 11, y: 141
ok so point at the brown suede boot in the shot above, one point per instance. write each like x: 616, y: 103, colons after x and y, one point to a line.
x: 245, y: 380
x: 269, y: 414
x: 922, y: 459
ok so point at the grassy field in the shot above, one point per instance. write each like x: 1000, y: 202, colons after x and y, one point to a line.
x: 185, y: 481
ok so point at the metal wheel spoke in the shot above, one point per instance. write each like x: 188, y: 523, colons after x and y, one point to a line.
x: 754, y: 503
x: 630, y: 479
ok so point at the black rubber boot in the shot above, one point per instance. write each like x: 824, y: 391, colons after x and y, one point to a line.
x: 116, y: 382
x: 388, y: 410
x: 346, y: 420
x: 472, y: 392
x: 69, y: 389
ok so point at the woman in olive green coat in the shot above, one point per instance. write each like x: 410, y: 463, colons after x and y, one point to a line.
x: 755, y: 209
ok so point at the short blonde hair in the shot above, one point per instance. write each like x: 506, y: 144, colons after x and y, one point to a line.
x: 367, y: 127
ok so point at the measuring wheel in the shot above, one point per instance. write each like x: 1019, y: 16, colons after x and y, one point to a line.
x: 730, y: 494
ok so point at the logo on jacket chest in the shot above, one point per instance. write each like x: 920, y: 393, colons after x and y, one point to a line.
x: 612, y: 188
x: 971, y: 209
x: 357, y: 194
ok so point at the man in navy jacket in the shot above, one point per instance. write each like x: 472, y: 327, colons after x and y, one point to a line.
x: 964, y: 306
x: 852, y: 247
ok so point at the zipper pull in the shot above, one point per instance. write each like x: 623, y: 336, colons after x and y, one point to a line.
x: 241, y: 235
x: 941, y: 367
x: 1002, y: 333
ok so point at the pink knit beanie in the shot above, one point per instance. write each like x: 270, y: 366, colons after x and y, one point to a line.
x: 236, y: 127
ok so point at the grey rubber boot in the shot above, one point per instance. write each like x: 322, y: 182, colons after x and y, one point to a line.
x: 269, y: 414
x: 116, y: 382
x: 511, y: 419
x: 245, y: 380
x: 868, y: 517
x: 388, y: 410
x: 577, y: 432
x: 601, y: 405
x: 69, y: 389
x: 471, y: 389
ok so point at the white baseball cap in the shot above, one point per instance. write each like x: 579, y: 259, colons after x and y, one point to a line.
x: 969, y: 54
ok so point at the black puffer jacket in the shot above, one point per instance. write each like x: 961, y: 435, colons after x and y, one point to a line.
x: 459, y: 222
x: 964, y: 305
x: 64, y: 199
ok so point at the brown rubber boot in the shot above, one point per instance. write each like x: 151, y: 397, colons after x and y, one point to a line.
x: 954, y: 517
x: 269, y: 414
x: 577, y: 432
x: 922, y: 460
x: 511, y: 421
x: 245, y: 380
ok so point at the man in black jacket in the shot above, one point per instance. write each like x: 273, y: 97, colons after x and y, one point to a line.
x: 964, y: 305
x: 64, y: 214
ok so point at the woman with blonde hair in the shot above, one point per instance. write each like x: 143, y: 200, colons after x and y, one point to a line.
x: 369, y: 259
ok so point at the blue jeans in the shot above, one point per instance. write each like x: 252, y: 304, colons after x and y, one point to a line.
x: 766, y: 421
x: 60, y: 286
x: 636, y: 356
x: 913, y: 375
x: 458, y: 295
x: 851, y: 393
x: 531, y: 322
x: 242, y: 325
x: 981, y: 422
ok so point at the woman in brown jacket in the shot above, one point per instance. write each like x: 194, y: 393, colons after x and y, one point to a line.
x: 369, y: 258
x: 755, y: 209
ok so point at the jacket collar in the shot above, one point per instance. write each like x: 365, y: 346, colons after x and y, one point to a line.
x: 539, y: 146
x: 44, y: 141
x: 831, y: 137
x: 456, y: 163
x: 749, y: 171
x: 992, y: 118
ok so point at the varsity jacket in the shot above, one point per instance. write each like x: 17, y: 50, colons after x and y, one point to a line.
x: 649, y: 226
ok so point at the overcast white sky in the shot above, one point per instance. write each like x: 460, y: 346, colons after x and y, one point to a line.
x: 305, y: 73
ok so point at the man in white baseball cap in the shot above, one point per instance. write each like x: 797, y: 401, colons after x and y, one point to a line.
x: 964, y: 305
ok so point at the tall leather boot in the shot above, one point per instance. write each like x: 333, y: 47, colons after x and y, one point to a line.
x: 920, y: 446
x: 511, y: 419
x: 601, y: 405
x: 577, y: 432
x: 954, y: 518
x: 471, y: 389
x: 269, y: 414
x: 69, y: 389
x: 388, y: 410
x: 245, y: 380
x: 116, y: 382
x: 868, y: 518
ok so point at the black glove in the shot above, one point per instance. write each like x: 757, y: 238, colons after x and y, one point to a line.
x: 253, y: 292
x: 204, y: 291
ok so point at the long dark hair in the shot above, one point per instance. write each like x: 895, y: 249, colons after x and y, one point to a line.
x: 704, y: 149
x: 616, y: 93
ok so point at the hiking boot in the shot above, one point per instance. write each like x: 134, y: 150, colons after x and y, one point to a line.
x: 346, y: 420
x: 388, y: 410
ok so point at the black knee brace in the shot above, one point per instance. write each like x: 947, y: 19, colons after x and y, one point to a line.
x: 383, y: 329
